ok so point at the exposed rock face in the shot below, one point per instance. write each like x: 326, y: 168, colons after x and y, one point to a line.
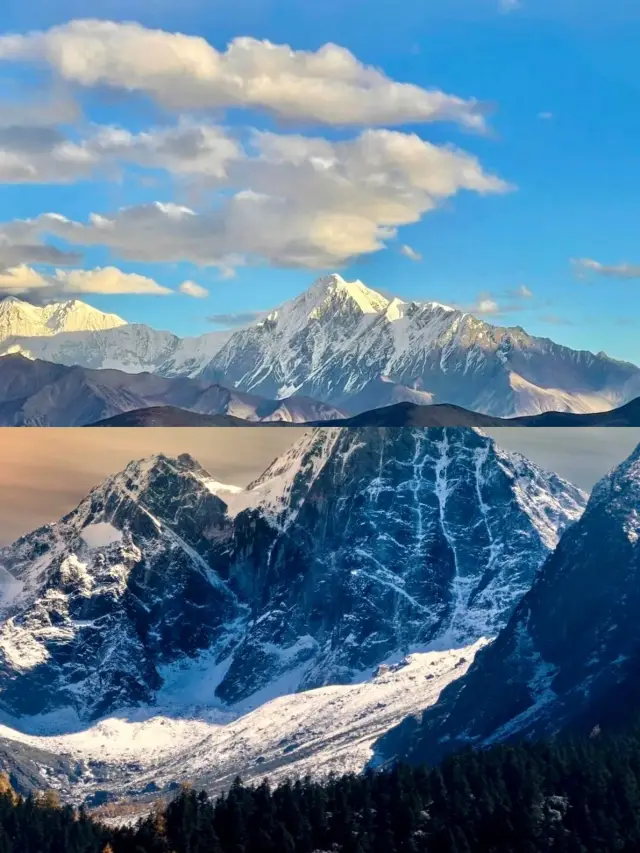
x: 570, y: 655
x: 353, y: 547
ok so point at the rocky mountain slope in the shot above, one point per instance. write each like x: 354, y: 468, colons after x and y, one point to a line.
x: 570, y: 655
x: 347, y: 345
x: 170, y: 416
x: 353, y: 546
x: 197, y: 603
x: 40, y: 393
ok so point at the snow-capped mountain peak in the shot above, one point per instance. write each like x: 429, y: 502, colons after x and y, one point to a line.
x: 22, y: 319
x: 334, y: 341
x: 333, y: 287
x: 328, y: 298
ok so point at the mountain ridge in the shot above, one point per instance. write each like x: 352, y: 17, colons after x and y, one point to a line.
x: 400, y: 415
x: 167, y: 521
x: 568, y: 658
x: 18, y: 317
x: 40, y: 393
x: 351, y: 347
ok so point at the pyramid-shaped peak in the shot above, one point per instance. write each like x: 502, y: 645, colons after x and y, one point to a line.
x: 333, y: 288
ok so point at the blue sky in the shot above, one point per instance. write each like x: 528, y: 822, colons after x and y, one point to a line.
x: 563, y: 132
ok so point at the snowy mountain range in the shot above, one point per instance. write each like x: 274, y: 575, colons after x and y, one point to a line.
x: 347, y: 345
x: 363, y: 565
x: 40, y: 393
x: 568, y: 660
x: 74, y: 333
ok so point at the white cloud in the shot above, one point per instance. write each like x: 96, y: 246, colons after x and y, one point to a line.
x: 545, y: 116
x: 583, y: 266
x: 510, y: 5
x: 487, y: 305
x: 297, y: 201
x: 21, y: 279
x: 190, y: 288
x: 182, y: 73
x: 106, y: 280
x: 410, y: 253
x: 41, y: 154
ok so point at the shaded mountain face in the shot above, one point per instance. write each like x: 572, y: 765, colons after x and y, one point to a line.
x: 343, y: 343
x: 410, y: 414
x: 39, y: 393
x: 169, y: 416
x: 569, y: 658
x: 354, y: 547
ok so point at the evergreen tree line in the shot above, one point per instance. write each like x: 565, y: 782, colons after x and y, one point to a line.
x: 572, y: 796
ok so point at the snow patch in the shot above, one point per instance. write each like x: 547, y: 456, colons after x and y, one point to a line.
x: 100, y: 535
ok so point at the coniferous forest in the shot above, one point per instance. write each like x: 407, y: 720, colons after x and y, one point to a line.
x: 574, y: 796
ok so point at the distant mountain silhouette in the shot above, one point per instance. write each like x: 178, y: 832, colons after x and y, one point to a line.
x: 170, y: 416
x: 409, y: 414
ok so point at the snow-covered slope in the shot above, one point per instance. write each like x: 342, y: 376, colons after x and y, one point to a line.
x: 132, y: 348
x: 569, y: 657
x: 330, y: 729
x: 338, y: 339
x: 21, y: 319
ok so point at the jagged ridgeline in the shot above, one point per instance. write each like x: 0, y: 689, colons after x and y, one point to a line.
x: 339, y: 343
x: 354, y: 546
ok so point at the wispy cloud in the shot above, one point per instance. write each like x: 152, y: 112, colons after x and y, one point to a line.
x: 584, y: 266
x: 520, y: 292
x: 233, y: 320
x: 410, y: 253
x: 190, y: 288
x: 545, y: 116
x: 487, y: 305
x: 509, y: 5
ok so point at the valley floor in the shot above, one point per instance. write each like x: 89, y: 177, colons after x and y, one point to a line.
x: 318, y: 732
